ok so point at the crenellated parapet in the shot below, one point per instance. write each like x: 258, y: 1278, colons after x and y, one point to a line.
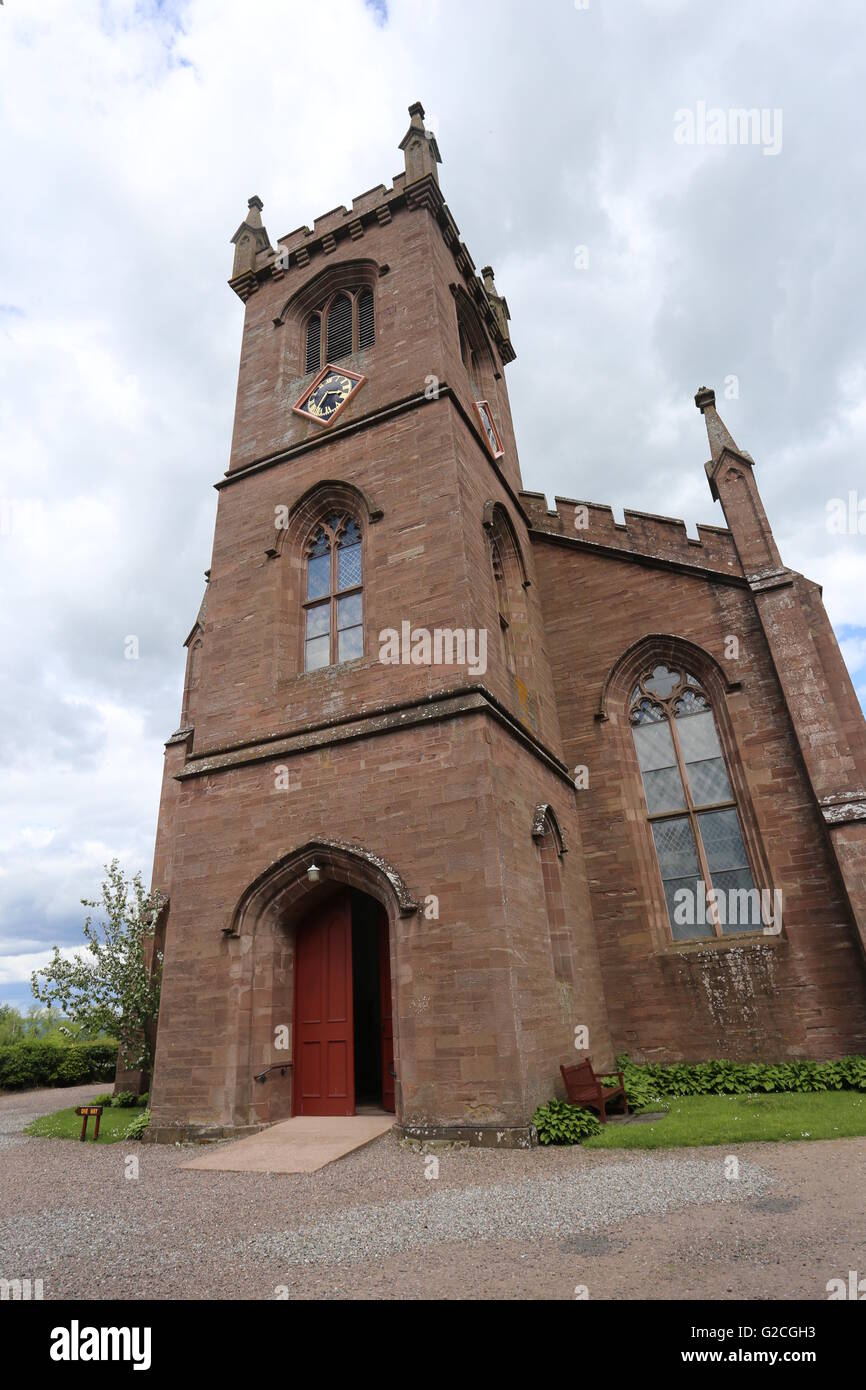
x: 257, y: 262
x: 660, y: 538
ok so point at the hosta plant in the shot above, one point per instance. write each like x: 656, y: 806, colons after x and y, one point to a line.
x: 557, y: 1122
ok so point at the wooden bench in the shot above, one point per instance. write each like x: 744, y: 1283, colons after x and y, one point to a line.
x: 583, y: 1087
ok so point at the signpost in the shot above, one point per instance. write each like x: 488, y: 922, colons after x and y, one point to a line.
x: 86, y: 1111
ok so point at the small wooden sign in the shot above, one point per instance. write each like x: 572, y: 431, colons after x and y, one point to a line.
x: 86, y: 1111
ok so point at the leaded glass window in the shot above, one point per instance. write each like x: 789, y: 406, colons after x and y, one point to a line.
x: 707, y: 881
x: 333, y: 603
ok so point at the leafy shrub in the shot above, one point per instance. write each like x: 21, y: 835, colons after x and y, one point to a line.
x: 26, y: 1065
x: 102, y: 1100
x: 142, y: 1099
x: 557, y: 1122
x: 72, y: 1068
x: 124, y: 1100
x: 136, y: 1128
x: 721, y: 1077
x: 641, y: 1092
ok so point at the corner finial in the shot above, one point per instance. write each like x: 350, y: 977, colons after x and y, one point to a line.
x: 497, y: 301
x: 419, y: 147
x: 717, y: 433
x: 249, y: 239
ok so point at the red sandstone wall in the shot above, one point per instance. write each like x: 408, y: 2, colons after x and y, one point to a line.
x: 480, y: 1022
x: 800, y: 995
x: 427, y: 562
x: 478, y: 1032
x: 546, y: 1013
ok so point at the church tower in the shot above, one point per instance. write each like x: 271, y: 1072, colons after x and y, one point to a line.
x: 368, y: 835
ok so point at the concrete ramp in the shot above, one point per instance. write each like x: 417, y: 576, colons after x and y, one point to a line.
x: 300, y: 1145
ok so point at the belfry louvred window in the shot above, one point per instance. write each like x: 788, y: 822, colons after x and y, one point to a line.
x: 313, y: 355
x: 339, y: 328
x: 344, y: 323
x: 333, y: 606
x: 692, y: 811
x: 365, y: 319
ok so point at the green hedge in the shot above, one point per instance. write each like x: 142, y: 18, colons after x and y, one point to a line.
x: 723, y: 1078
x: 26, y: 1065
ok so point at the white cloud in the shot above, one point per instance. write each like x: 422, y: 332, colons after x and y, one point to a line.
x: 17, y: 969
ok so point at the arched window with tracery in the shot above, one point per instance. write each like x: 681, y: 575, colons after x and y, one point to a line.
x: 333, y: 603
x: 692, y: 810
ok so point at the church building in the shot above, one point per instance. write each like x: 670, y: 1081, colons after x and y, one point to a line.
x: 465, y: 787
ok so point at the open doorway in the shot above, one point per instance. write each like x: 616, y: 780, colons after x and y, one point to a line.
x: 344, y: 1049
x: 365, y: 998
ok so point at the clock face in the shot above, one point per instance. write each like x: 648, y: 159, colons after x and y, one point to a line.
x: 488, y: 428
x: 494, y: 443
x: 328, y: 394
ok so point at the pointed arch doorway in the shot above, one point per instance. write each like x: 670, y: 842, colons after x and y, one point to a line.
x: 344, y: 1040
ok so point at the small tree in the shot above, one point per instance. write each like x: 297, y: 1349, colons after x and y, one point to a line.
x: 114, y: 988
x: 11, y: 1024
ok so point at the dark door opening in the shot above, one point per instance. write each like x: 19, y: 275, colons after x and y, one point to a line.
x: 371, y: 980
x: 344, y: 1050
x: 365, y: 985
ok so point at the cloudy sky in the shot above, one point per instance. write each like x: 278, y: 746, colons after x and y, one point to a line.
x: 132, y: 135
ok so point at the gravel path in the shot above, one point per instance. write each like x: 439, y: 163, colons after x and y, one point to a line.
x: 537, y: 1206
x: 92, y: 1224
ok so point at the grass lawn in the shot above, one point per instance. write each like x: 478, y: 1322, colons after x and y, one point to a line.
x: 738, y: 1119
x: 65, y: 1124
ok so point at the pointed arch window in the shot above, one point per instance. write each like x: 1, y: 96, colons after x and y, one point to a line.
x: 475, y: 350
x: 503, y: 607
x: 692, y: 811
x: 550, y: 850
x: 333, y: 604
x: 466, y: 353
x: 342, y: 324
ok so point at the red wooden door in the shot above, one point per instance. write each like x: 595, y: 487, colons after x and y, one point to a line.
x: 324, y: 1071
x: 386, y: 1024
